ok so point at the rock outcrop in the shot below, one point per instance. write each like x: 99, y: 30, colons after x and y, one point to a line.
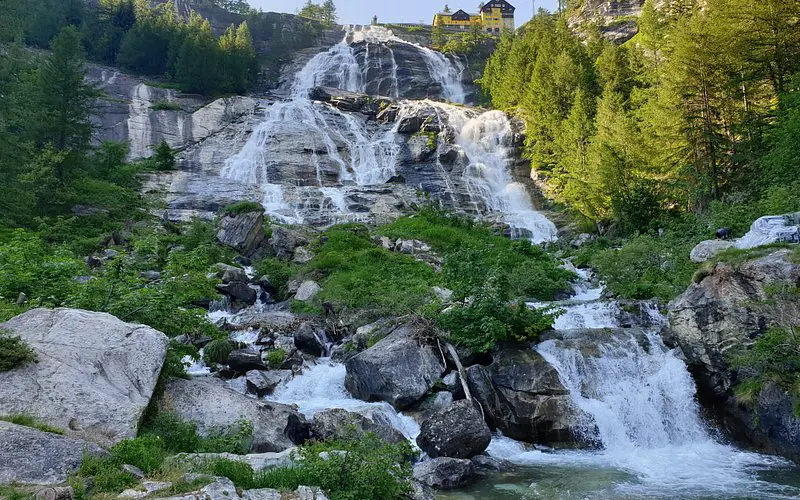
x: 94, y: 377
x: 213, y: 406
x: 244, y: 233
x: 341, y: 424
x: 522, y: 396
x: 30, y: 456
x: 457, y: 431
x: 445, y: 473
x: 723, y: 313
x: 399, y: 369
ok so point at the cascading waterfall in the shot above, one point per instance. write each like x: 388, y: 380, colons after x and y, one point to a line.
x: 639, y: 406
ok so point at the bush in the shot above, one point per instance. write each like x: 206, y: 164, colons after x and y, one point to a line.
x: 165, y: 106
x: 164, y: 159
x: 218, y: 351
x: 14, y: 352
x: 107, y: 473
x: 278, y: 272
x: 145, y: 452
x: 242, y: 207
x: 29, y: 421
x: 180, y: 436
x: 276, y: 357
x: 240, y: 473
x: 362, y: 469
x: 487, y: 318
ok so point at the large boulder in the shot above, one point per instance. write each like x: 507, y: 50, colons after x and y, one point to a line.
x: 213, y: 405
x: 399, y: 369
x: 30, y: 456
x: 707, y: 250
x: 94, y: 377
x: 285, y: 240
x: 342, y: 424
x: 457, y: 431
x: 445, y: 473
x: 310, y: 339
x: 522, y: 396
x: 725, y: 312
x: 244, y: 233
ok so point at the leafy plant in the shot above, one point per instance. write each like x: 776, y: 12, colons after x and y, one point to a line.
x: 242, y: 207
x: 218, y: 351
x: 276, y: 358
x: 145, y: 452
x: 14, y: 352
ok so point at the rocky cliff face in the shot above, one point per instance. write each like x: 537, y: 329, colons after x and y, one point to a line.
x: 726, y: 311
x: 617, y: 18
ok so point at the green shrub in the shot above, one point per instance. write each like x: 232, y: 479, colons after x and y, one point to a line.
x: 218, y: 351
x: 164, y: 157
x: 236, y: 439
x: 276, y: 358
x: 12, y: 493
x: 240, y: 473
x: 278, y: 272
x: 165, y: 106
x: 107, y: 474
x: 14, y: 352
x: 242, y: 207
x: 29, y: 421
x: 145, y: 452
x: 180, y: 436
x: 367, y: 468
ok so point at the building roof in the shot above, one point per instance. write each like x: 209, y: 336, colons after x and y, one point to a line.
x: 460, y: 15
x: 500, y: 4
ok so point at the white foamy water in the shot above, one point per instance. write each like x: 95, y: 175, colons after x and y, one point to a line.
x: 321, y: 387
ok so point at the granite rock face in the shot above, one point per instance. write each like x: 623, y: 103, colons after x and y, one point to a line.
x: 457, y: 431
x: 94, y: 377
x: 30, y: 456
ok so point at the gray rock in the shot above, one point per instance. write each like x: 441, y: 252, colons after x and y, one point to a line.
x: 94, y: 377
x: 310, y: 493
x: 284, y: 241
x: 262, y: 494
x: 229, y: 274
x: 245, y: 360
x: 581, y: 240
x: 212, y: 404
x: 486, y: 464
x: 445, y: 473
x: 30, y: 456
x: 221, y: 489
x: 522, y: 396
x: 240, y: 292
x: 709, y: 249
x: 244, y: 233
x: 310, y: 339
x: 258, y: 461
x: 134, y: 471
x: 727, y: 310
x: 341, y: 424
x: 398, y: 370
x: 457, y: 431
x: 307, y: 291
x: 303, y: 255
x: 262, y: 383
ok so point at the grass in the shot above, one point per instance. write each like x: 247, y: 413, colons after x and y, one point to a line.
x: 242, y: 207
x: 165, y: 106
x: 29, y: 421
x: 12, y: 493
x: 218, y: 351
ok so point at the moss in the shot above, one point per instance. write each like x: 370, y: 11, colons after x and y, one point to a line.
x: 217, y: 351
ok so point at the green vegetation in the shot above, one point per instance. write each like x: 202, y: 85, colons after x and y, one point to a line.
x: 242, y: 207
x: 276, y: 358
x: 29, y: 421
x: 165, y: 106
x: 12, y: 493
x: 218, y: 351
x: 367, y: 468
x: 14, y: 352
x: 324, y: 12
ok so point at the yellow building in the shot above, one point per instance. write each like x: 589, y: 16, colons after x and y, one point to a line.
x: 494, y: 17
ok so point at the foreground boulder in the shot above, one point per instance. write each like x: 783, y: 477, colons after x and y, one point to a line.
x: 244, y: 233
x: 399, y: 369
x: 457, y: 431
x: 522, y: 396
x: 341, y: 424
x: 30, y: 456
x: 213, y: 406
x: 726, y: 311
x: 94, y: 377
x: 445, y: 473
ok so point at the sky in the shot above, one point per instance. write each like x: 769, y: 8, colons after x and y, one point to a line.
x: 400, y: 11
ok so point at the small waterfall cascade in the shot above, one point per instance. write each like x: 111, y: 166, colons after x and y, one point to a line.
x: 639, y: 406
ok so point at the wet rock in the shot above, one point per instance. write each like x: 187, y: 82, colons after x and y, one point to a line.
x: 310, y: 339
x: 229, y: 274
x: 30, y: 456
x: 94, y: 376
x: 398, y: 369
x: 581, y: 240
x: 728, y: 310
x: 244, y: 233
x: 307, y: 291
x: 350, y: 101
x: 262, y: 383
x: 244, y: 360
x: 341, y: 424
x: 240, y: 292
x: 488, y: 465
x: 522, y: 396
x: 457, y: 431
x: 213, y: 405
x: 445, y: 473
